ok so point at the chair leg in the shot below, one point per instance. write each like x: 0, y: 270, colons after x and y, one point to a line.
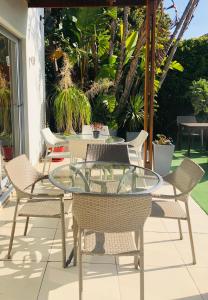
x: 45, y: 160
x: 136, y: 257
x: 190, y: 233
x: 180, y: 230
x: 75, y: 232
x: 80, y: 266
x: 26, y: 226
x: 63, y: 232
x: 141, y: 264
x: 13, y: 230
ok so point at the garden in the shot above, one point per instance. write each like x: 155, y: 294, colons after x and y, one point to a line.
x: 95, y: 64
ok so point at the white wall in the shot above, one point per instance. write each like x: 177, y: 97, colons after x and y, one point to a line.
x: 35, y: 82
x: 25, y: 24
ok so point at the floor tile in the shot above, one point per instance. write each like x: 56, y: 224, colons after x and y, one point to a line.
x: 100, y: 282
x: 20, y: 281
x: 36, y: 246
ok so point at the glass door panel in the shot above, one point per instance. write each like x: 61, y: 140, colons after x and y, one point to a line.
x: 9, y: 105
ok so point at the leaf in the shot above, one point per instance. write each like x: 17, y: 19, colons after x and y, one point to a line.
x: 121, y: 30
x: 112, y: 12
x: 130, y: 45
x: 175, y: 65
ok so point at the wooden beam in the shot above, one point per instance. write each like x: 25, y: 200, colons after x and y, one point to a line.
x: 84, y: 3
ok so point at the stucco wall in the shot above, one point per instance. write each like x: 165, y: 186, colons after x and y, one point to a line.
x: 25, y: 24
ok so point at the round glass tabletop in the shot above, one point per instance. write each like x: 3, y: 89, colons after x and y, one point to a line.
x: 108, y: 139
x: 105, y: 178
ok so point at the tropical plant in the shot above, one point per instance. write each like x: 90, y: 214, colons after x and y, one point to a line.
x: 72, y: 107
x: 198, y: 93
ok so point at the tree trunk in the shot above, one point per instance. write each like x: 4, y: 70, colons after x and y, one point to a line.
x: 123, y: 47
x: 187, y: 17
x: 112, y: 38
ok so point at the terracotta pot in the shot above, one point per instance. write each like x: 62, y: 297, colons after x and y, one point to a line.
x: 8, y: 152
x: 58, y: 149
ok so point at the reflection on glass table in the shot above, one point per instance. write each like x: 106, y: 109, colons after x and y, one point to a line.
x: 105, y: 178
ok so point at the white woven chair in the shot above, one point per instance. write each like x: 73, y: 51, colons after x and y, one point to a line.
x: 135, y: 147
x: 23, y: 177
x: 87, y: 129
x: 183, y: 180
x: 52, y: 141
x: 108, y: 223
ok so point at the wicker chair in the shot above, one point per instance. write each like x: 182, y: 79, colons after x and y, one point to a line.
x: 23, y: 177
x: 108, y: 153
x: 135, y: 147
x: 183, y: 180
x: 87, y: 129
x: 108, y: 223
x: 78, y: 147
x: 52, y: 141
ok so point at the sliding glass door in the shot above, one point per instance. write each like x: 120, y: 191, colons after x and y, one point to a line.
x: 10, y: 104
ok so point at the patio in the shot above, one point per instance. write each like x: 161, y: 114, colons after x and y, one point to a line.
x: 35, y: 271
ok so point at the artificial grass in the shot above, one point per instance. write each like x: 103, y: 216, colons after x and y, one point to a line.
x: 200, y: 192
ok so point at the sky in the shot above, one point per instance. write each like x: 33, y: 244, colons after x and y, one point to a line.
x: 199, y: 24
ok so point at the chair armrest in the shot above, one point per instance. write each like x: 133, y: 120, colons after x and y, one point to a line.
x: 181, y: 197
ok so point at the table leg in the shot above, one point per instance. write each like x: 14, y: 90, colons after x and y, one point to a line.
x: 202, y: 139
x: 189, y: 144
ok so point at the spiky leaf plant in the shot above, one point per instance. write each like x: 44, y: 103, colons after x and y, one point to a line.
x: 72, y: 107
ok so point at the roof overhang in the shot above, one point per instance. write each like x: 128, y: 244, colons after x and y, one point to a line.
x: 84, y: 3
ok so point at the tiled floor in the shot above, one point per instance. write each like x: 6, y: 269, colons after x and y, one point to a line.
x: 35, y: 270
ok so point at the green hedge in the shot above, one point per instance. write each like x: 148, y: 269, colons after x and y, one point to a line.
x: 173, y: 97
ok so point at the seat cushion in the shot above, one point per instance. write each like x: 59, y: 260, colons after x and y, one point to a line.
x: 109, y: 243
x: 41, y: 208
x: 167, y: 209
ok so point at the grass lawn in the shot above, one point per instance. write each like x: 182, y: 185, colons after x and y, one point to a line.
x: 200, y: 192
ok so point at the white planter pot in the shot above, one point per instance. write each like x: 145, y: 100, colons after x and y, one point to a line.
x: 162, y: 159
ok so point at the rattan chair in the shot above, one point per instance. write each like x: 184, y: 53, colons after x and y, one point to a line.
x: 135, y: 147
x: 78, y: 147
x: 23, y: 177
x: 108, y: 153
x: 183, y: 180
x: 108, y: 223
x: 115, y: 153
x: 87, y: 129
x: 51, y: 141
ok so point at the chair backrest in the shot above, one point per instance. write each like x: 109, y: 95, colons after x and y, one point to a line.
x: 87, y: 129
x: 186, y: 119
x: 22, y: 175
x: 111, y: 213
x: 50, y: 139
x: 139, y: 140
x: 186, y: 176
x: 78, y: 147
x: 108, y: 153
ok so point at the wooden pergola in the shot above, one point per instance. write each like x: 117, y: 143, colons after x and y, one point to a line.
x: 150, y: 24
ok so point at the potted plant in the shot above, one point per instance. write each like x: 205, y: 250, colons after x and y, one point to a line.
x: 163, y: 149
x: 96, y: 128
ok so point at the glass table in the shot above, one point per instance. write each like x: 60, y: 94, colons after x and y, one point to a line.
x: 108, y: 139
x: 104, y: 178
x: 107, y: 178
